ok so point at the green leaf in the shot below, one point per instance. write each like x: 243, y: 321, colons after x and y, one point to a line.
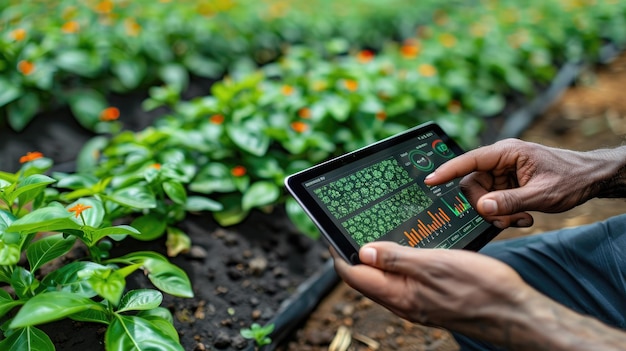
x: 164, y: 275
x: 10, y: 253
x: 199, y: 203
x: 27, y: 339
x: 130, y: 72
x: 232, y: 213
x: 175, y: 75
x: 7, y: 303
x: 338, y: 107
x: 137, y: 197
x: 8, y: 91
x: 132, y: 333
x: 176, y: 191
x: 159, y: 312
x: 116, y: 230
x: 150, y: 226
x: 86, y: 105
x: 108, y: 283
x: 140, y: 300
x: 48, y: 248
x: 213, y: 177
x: 30, y: 187
x: 22, y: 111
x: 46, y: 219
x: 23, y: 282
x: 250, y: 136
x: 67, y: 279
x: 92, y: 316
x: 260, y: 194
x: 52, y: 306
x: 78, y: 61
x: 90, y: 153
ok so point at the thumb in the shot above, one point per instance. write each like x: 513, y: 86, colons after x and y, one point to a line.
x: 506, y: 202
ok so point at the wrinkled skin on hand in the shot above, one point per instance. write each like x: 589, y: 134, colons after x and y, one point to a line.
x: 510, y: 177
x: 452, y: 288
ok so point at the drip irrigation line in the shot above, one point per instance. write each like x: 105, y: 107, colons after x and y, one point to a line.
x: 517, y: 122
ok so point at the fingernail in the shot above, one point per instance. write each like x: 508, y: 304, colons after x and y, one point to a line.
x: 490, y: 206
x: 498, y: 224
x: 368, y: 255
x: 430, y: 175
x: 524, y: 223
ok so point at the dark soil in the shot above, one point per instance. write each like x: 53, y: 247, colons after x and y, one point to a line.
x: 244, y: 274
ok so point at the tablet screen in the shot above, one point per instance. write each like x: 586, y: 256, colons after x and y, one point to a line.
x: 378, y: 193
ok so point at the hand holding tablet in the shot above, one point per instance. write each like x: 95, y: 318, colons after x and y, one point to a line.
x: 378, y: 193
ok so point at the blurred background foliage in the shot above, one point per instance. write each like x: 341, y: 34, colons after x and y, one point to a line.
x: 281, y: 85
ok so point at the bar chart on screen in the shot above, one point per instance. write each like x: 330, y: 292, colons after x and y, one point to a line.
x: 457, y: 203
x: 424, y: 231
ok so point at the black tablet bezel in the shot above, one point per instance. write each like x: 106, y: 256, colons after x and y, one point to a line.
x: 295, y: 185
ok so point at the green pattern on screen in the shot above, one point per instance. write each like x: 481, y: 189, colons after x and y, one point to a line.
x: 348, y: 194
x: 386, y: 215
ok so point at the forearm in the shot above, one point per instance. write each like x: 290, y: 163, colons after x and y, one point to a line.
x: 610, y: 179
x: 542, y: 324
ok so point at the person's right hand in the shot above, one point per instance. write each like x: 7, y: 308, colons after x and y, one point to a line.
x: 506, y: 179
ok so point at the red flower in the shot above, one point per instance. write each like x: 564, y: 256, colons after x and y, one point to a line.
x: 78, y: 209
x: 381, y: 115
x: 110, y: 114
x: 238, y: 171
x: 31, y: 156
x: 365, y: 56
x: 216, y: 119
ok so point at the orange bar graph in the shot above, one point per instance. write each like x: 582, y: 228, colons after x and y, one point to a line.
x: 422, y: 231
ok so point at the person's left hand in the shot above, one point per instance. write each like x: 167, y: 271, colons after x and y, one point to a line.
x: 459, y: 290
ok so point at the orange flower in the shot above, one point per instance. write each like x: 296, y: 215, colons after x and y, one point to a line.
x: 238, y: 171
x: 216, y: 119
x: 31, y: 156
x: 365, y: 56
x: 299, y: 126
x: 25, y: 67
x: 410, y: 49
x: 110, y: 114
x: 156, y: 166
x: 18, y: 34
x: 104, y: 7
x: 381, y: 115
x: 78, y: 209
x: 287, y: 90
x: 351, y: 84
x: 427, y: 70
x: 132, y: 27
x: 70, y: 27
x: 304, y: 112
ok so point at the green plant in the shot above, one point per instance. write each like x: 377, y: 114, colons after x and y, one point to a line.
x: 44, y: 224
x: 260, y: 334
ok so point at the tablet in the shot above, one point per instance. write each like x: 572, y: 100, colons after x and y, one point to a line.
x: 378, y: 193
